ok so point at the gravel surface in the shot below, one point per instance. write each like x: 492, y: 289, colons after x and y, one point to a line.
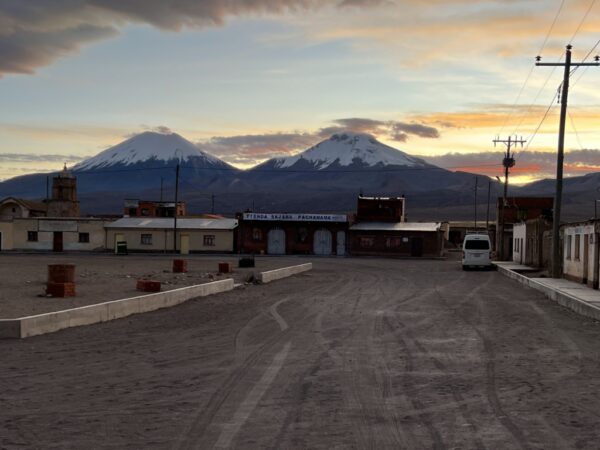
x: 358, y: 353
x: 104, y: 277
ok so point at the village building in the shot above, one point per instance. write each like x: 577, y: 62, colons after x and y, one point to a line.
x: 532, y: 242
x: 516, y: 210
x: 285, y: 233
x: 380, y: 229
x: 581, y: 253
x: 53, y: 234
x: 12, y: 207
x: 457, y: 230
x: 151, y: 208
x: 155, y: 234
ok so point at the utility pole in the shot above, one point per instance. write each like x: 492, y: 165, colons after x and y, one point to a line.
x: 476, y: 181
x: 508, y: 162
x: 175, y: 211
x: 212, y: 200
x: 161, y: 189
x: 487, y: 214
x: 568, y: 64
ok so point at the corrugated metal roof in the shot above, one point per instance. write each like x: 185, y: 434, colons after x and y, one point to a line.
x: 167, y: 223
x: 396, y: 226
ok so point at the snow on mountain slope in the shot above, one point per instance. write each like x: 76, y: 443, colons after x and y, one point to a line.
x: 148, y: 146
x: 346, y: 148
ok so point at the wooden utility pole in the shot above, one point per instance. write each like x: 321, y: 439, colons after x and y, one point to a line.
x: 175, y: 211
x: 476, y: 182
x: 508, y: 162
x: 487, y: 214
x: 568, y: 64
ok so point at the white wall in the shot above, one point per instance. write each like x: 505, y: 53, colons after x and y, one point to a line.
x: 574, y: 261
x: 519, y: 242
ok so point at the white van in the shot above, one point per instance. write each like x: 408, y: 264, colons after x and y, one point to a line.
x: 476, y: 251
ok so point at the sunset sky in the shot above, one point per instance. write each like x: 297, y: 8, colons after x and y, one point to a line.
x: 252, y: 79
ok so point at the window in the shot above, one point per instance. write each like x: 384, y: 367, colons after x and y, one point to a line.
x: 393, y: 242
x: 146, y: 239
x: 256, y: 234
x: 366, y: 241
x: 477, y: 244
x: 569, y: 246
x: 209, y: 240
x: 32, y: 236
x: 577, y: 246
x: 84, y: 238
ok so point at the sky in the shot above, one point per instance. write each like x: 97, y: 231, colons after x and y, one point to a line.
x: 248, y: 80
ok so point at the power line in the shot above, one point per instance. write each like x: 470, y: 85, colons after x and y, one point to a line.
x: 575, y: 129
x: 512, y: 110
x: 582, y: 20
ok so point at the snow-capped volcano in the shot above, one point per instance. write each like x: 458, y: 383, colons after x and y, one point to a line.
x: 150, y: 147
x: 349, y: 149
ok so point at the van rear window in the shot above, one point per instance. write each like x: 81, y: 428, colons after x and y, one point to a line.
x: 477, y: 245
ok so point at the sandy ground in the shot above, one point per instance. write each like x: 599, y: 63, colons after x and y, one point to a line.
x: 356, y: 354
x: 105, y: 277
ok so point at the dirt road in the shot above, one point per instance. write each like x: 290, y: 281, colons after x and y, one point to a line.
x: 359, y: 353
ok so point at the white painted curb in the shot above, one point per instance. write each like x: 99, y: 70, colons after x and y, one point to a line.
x: 23, y: 327
x: 575, y: 304
x: 277, y: 274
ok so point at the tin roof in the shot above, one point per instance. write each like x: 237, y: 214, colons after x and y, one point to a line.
x: 167, y: 223
x: 396, y: 226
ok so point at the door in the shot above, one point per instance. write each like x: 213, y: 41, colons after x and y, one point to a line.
x: 184, y: 244
x: 586, y: 257
x: 341, y: 243
x: 322, y: 242
x: 57, y: 241
x: 119, y: 240
x: 416, y: 247
x: 276, y: 242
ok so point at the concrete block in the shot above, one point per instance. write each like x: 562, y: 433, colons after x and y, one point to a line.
x: 10, y: 329
x: 225, y: 267
x: 277, y: 274
x: 66, y: 289
x: 180, y: 266
x: 102, y: 312
x: 61, y: 273
x: 148, y: 285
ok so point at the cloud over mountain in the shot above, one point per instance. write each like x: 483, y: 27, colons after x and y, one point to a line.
x: 252, y: 148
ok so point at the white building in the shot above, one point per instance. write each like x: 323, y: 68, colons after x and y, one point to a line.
x: 581, y: 252
x: 519, y: 242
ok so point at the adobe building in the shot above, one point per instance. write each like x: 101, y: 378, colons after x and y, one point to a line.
x: 155, y: 234
x: 63, y: 202
x: 515, y: 210
x: 16, y: 208
x: 150, y: 208
x: 380, y: 229
x: 581, y: 252
x: 532, y: 243
x: 285, y: 233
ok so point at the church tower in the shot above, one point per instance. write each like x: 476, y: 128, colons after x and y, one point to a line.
x: 64, y: 195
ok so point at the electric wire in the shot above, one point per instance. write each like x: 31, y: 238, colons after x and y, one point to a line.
x: 582, y: 21
x: 543, y: 46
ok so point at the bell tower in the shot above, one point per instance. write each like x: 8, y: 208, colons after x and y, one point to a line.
x: 64, y: 195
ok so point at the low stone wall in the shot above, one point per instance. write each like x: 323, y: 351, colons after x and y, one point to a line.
x: 47, y: 323
x: 562, y: 298
x: 277, y: 274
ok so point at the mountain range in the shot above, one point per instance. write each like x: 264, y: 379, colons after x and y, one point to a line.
x: 324, y: 178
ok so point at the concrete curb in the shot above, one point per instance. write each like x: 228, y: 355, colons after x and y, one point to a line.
x: 23, y: 327
x: 277, y: 274
x: 562, y: 298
